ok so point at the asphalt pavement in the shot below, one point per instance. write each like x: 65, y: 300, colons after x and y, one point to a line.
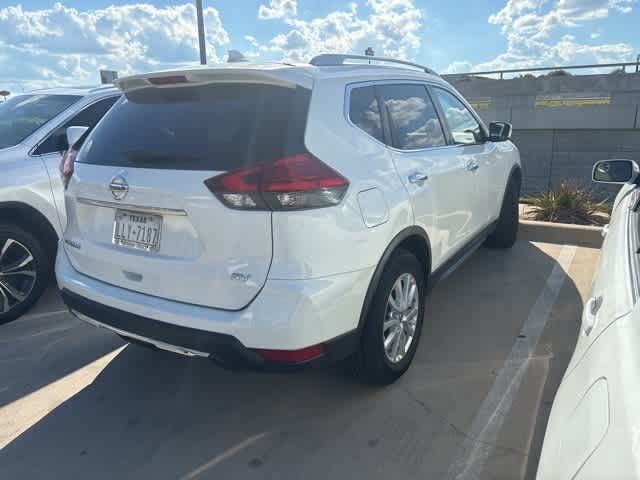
x: 78, y: 402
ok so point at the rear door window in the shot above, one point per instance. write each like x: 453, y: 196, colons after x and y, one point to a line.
x: 212, y: 127
x: 88, y: 117
x: 413, y: 119
x: 22, y: 115
x: 364, y: 111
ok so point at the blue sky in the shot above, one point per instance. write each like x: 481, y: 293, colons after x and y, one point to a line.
x: 49, y: 43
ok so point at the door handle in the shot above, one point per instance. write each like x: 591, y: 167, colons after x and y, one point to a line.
x: 418, y: 177
x: 590, y: 315
x: 472, y: 165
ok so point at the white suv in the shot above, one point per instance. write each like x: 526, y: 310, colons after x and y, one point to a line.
x: 33, y: 128
x: 281, y: 214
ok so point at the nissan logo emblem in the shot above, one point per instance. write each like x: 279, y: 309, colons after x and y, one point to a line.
x: 119, y: 187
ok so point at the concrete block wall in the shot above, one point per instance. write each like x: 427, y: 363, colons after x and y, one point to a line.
x: 559, y: 143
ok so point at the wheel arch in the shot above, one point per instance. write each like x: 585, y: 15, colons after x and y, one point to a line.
x: 415, y: 240
x: 32, y: 220
x: 515, y: 174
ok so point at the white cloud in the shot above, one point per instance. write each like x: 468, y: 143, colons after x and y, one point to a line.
x: 255, y: 48
x: 531, y: 28
x: 459, y: 66
x: 63, y: 45
x: 392, y: 27
x: 278, y: 9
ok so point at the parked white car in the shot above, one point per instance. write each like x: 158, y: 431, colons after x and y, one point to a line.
x: 593, y: 427
x: 280, y: 214
x: 33, y: 129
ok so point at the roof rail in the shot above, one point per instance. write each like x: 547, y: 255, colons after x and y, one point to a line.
x: 99, y: 88
x: 335, y: 59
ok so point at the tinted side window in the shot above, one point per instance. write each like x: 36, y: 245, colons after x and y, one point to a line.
x: 413, y: 118
x: 364, y: 111
x: 89, y: 117
x: 464, y: 127
x: 22, y: 115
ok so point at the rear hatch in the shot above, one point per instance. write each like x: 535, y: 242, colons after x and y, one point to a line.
x: 140, y: 214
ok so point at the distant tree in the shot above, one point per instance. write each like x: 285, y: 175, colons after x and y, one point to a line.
x: 617, y: 71
x: 527, y: 75
x: 558, y: 73
x: 4, y: 94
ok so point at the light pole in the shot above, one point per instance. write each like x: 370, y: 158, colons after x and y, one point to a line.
x: 203, y: 45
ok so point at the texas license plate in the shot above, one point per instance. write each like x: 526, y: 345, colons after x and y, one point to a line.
x: 137, y: 230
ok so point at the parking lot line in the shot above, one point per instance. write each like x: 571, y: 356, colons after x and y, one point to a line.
x: 20, y: 415
x: 223, y: 456
x: 478, y: 445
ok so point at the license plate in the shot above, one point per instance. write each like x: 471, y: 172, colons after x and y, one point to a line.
x: 137, y: 230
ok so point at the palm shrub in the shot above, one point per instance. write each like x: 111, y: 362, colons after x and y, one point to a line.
x: 568, y: 203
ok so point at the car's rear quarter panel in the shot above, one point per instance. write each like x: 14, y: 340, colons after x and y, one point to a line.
x: 330, y: 241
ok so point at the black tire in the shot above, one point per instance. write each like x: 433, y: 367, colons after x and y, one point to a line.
x: 506, y: 232
x: 372, y: 362
x: 29, y: 290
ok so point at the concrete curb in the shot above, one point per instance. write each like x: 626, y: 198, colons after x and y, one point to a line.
x: 563, y: 233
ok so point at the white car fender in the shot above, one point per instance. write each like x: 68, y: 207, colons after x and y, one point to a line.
x: 27, y: 183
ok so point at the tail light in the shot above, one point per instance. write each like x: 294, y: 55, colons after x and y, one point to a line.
x: 66, y: 165
x: 297, y: 182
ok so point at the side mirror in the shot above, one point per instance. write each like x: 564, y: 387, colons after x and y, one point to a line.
x: 615, y: 171
x: 74, y: 134
x: 500, y: 131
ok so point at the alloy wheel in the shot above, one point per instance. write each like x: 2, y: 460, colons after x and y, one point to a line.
x: 17, y: 274
x: 401, y: 317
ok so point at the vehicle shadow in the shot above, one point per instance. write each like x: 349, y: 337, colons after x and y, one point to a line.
x: 152, y: 411
x: 34, y: 352
x: 157, y: 415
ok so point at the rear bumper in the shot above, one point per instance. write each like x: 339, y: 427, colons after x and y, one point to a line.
x: 224, y: 349
x: 286, y: 315
x: 184, y: 340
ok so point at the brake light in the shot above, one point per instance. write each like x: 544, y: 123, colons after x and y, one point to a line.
x: 292, y: 183
x: 168, y: 80
x: 66, y: 165
x: 292, y: 356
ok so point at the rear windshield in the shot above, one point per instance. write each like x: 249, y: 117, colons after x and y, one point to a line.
x: 22, y: 115
x: 212, y: 127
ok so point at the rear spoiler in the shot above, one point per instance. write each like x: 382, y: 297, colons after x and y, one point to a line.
x: 195, y: 77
